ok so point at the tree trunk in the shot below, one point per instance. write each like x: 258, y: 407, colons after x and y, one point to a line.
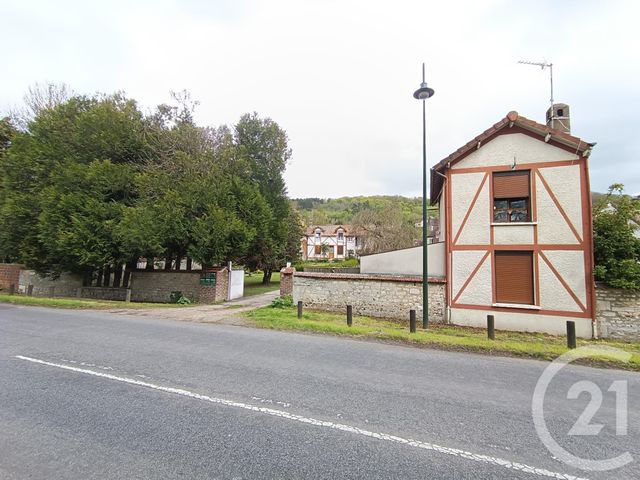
x: 178, y: 262
x: 87, y: 278
x: 131, y: 265
x: 167, y: 263
x: 150, y: 267
x: 106, y: 280
x: 189, y: 264
x: 117, y: 275
x: 99, y: 278
x: 266, y: 276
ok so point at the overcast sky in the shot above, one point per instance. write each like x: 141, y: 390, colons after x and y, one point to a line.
x: 338, y: 76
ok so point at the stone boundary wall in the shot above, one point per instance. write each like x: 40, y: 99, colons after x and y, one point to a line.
x: 331, y: 269
x: 10, y: 275
x: 105, y: 293
x: 617, y: 313
x: 66, y: 285
x: 382, y: 296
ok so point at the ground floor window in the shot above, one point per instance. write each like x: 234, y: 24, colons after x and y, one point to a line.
x: 340, y: 250
x: 514, y: 277
x: 317, y: 249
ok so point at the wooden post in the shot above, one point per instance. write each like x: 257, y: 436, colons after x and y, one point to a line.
x: 571, y: 334
x: 412, y: 321
x: 300, y: 309
x: 349, y: 315
x: 491, y: 332
x: 30, y: 290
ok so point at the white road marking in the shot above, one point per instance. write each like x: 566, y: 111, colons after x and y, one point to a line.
x: 499, y: 462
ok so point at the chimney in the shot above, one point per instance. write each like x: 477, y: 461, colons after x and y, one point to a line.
x: 559, y: 117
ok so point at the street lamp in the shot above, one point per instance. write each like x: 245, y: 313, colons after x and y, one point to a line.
x: 423, y: 93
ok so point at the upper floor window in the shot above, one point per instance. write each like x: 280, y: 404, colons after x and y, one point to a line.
x: 340, y: 236
x: 318, y: 233
x: 511, y: 197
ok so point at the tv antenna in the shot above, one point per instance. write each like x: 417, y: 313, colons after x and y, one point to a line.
x: 544, y: 65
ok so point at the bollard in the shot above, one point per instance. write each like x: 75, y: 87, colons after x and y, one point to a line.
x: 349, y: 315
x: 30, y: 290
x: 571, y: 334
x: 300, y: 309
x: 412, y: 321
x: 491, y: 332
x: 12, y: 289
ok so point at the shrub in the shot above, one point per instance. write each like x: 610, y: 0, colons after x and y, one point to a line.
x: 285, y: 301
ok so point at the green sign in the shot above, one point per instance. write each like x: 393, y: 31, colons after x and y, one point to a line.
x: 208, y: 278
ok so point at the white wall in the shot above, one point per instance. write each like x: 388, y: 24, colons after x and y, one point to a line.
x: 406, y: 262
x: 520, y: 321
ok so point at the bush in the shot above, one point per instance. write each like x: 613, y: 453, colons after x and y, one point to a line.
x: 177, y: 297
x: 285, y: 301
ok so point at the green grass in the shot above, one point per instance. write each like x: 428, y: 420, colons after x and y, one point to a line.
x: 253, y: 284
x: 79, y: 303
x: 447, y: 337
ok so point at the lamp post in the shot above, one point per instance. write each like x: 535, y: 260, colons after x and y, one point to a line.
x: 423, y: 93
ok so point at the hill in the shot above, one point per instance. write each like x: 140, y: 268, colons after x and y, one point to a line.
x: 342, y: 210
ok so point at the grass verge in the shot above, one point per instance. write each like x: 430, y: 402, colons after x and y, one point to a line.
x: 446, y: 337
x: 253, y: 284
x: 80, y: 303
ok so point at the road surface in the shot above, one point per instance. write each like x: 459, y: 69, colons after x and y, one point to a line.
x: 103, y: 395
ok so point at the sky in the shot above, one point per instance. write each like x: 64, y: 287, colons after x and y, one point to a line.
x: 338, y: 76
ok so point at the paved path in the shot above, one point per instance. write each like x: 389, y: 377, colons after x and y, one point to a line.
x: 225, y: 313
x: 108, y: 396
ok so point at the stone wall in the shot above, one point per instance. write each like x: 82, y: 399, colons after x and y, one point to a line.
x: 157, y: 286
x: 10, y: 275
x: 66, y: 285
x: 105, y: 293
x: 618, y: 313
x: 383, y: 296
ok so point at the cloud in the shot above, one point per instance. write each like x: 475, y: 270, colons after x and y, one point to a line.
x: 338, y: 75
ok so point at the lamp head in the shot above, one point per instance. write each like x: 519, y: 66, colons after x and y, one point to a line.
x: 423, y: 92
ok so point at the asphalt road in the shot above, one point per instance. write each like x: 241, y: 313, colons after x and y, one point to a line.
x: 100, y: 395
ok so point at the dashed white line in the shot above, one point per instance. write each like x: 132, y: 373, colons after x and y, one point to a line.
x: 455, y: 452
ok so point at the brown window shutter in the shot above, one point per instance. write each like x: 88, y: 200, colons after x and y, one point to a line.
x: 317, y: 250
x: 340, y: 249
x: 514, y: 277
x: 511, y: 185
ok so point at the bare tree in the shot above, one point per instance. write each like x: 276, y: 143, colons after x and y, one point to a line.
x: 383, y: 230
x: 39, y: 97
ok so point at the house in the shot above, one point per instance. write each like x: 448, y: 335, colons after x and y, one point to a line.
x: 330, y: 242
x: 515, y: 208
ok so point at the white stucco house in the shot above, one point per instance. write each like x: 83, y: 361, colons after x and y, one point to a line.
x: 515, y: 210
x: 330, y: 242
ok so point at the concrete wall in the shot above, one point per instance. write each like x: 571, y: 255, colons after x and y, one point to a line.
x: 383, y: 296
x: 618, y: 313
x: 10, y: 275
x: 66, y: 285
x: 520, y: 321
x: 407, y: 261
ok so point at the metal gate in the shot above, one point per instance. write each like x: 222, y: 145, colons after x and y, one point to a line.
x: 236, y: 284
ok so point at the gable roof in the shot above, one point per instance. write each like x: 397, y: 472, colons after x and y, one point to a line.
x: 330, y: 229
x: 512, y: 119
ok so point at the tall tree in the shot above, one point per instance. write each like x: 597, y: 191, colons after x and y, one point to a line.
x: 265, y: 145
x: 616, y: 221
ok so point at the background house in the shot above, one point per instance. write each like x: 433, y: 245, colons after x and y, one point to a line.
x: 330, y: 242
x: 517, y: 227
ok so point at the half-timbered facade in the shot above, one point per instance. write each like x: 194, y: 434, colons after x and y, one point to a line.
x: 516, y: 206
x: 330, y: 242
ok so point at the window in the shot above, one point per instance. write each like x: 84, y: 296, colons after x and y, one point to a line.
x: 318, y: 233
x: 341, y: 236
x: 514, y: 277
x: 317, y: 249
x: 511, y: 197
x: 340, y: 250
x: 560, y: 112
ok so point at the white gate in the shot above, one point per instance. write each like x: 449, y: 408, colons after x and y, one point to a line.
x: 236, y: 284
